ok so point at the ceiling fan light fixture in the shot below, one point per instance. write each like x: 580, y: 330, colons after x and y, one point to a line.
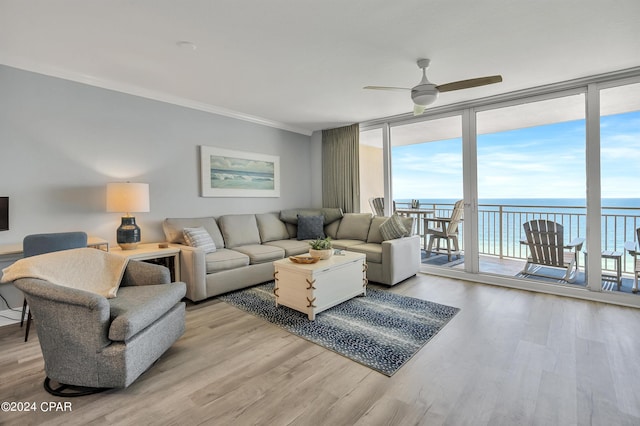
x: 424, y: 96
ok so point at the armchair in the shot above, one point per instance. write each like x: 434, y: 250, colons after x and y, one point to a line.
x: 91, y: 343
x: 36, y: 244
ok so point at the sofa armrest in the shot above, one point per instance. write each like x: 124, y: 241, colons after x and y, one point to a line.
x: 143, y: 273
x: 193, y: 271
x: 400, y: 259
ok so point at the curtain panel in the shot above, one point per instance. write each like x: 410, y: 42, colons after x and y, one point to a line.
x: 341, y: 168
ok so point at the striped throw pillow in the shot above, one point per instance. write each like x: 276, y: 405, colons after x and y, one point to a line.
x: 392, y: 228
x: 199, y: 237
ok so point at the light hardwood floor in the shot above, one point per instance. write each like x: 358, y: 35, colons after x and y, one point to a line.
x: 509, y: 357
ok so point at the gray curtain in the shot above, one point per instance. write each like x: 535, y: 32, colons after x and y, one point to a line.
x: 341, y: 168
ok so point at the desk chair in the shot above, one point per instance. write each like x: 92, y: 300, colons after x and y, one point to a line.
x: 36, y: 244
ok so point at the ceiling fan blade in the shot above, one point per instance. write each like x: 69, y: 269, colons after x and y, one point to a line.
x: 418, y: 109
x: 466, y: 84
x: 397, y: 89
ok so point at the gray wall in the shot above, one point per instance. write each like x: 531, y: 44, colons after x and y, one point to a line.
x: 61, y: 142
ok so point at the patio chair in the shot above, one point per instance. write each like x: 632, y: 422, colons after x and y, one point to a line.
x: 545, y: 240
x: 377, y: 205
x: 445, y: 228
x: 634, y: 250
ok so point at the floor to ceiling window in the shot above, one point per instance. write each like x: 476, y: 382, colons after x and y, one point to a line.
x: 531, y: 166
x: 542, y: 154
x: 620, y: 187
x: 426, y: 164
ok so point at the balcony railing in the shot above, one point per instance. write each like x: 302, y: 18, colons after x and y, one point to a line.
x: 501, y: 227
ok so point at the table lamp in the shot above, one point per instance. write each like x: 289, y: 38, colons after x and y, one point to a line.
x: 127, y: 197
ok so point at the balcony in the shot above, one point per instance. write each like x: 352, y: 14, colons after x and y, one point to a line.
x: 501, y: 232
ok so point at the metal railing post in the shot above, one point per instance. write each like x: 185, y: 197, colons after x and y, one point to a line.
x: 501, y: 234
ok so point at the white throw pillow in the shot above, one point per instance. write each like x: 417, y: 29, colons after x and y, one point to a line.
x: 199, y: 237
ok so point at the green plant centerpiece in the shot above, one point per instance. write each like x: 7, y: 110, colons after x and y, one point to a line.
x: 321, y: 248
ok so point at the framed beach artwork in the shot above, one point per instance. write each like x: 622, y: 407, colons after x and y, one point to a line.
x: 229, y: 173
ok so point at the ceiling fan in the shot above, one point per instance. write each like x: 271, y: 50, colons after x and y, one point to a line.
x: 426, y: 93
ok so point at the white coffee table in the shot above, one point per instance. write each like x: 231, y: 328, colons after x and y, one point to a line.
x: 313, y: 288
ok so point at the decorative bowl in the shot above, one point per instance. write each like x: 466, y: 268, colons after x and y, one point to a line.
x: 322, y: 254
x: 304, y: 259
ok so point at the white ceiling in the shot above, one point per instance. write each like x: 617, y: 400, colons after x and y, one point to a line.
x: 301, y: 64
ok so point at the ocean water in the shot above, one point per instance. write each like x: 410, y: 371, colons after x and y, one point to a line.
x: 560, y: 202
x: 241, y: 179
x: 500, y: 221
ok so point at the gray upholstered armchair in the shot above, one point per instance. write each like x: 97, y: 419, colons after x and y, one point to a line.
x: 90, y: 341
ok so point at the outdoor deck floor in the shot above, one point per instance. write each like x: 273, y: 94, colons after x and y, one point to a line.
x: 512, y: 267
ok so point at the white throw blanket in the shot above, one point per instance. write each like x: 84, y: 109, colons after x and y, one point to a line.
x: 86, y: 269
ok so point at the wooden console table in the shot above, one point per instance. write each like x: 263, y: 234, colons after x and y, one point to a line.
x: 169, y: 257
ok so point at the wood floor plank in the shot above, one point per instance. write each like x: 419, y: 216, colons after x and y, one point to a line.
x: 508, y: 357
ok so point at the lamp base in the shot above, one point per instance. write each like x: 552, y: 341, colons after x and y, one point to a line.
x: 128, y: 246
x: 128, y: 234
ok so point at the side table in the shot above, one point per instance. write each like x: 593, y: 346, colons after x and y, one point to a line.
x: 169, y: 257
x: 616, y: 256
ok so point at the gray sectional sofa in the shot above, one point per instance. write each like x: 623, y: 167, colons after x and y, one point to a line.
x: 247, y: 244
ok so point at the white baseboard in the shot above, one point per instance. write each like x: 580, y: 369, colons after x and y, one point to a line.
x: 8, y: 317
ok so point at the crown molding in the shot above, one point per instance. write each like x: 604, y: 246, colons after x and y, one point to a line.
x: 144, y: 93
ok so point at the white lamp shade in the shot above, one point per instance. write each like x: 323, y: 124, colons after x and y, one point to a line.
x: 127, y: 197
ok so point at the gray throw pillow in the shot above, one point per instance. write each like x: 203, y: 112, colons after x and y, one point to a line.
x: 392, y: 228
x: 310, y: 227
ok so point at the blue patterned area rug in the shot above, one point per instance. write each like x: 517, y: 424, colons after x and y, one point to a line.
x: 382, y: 330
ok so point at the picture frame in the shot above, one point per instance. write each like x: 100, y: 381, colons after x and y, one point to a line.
x: 231, y: 173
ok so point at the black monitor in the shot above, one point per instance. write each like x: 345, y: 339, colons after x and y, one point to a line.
x: 4, y: 213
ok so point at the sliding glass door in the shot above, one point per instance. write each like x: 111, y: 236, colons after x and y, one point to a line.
x: 426, y: 164
x: 620, y: 187
x: 531, y: 167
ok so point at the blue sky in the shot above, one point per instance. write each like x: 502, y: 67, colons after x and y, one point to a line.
x: 538, y: 162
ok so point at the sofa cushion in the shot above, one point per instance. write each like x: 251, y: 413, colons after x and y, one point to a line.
x: 374, y: 231
x: 409, y: 223
x: 199, y: 237
x: 310, y: 227
x: 239, y: 229
x: 260, y: 253
x: 291, y: 247
x: 371, y: 250
x: 345, y: 244
x: 224, y: 259
x: 354, y: 226
x: 271, y: 228
x: 174, y: 229
x: 393, y: 228
x: 292, y: 230
x: 138, y: 307
x: 331, y: 230
x: 330, y: 214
